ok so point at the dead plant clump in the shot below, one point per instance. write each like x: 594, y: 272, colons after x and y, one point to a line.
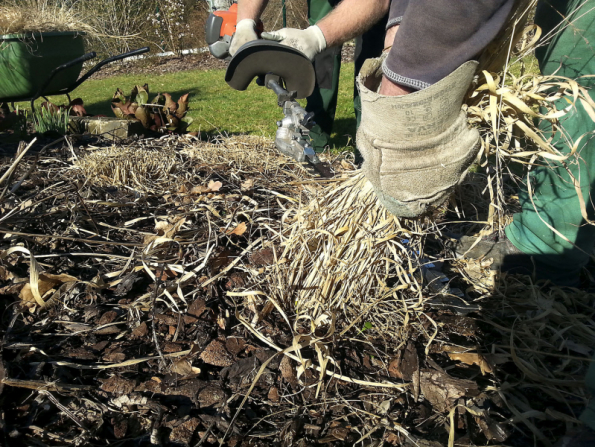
x: 165, y: 165
x: 347, y: 259
x: 138, y: 167
x: 22, y: 16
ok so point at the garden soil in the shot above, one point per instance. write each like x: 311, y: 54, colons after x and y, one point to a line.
x: 133, y: 315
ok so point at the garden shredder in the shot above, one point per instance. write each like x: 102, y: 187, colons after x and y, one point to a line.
x: 289, y: 74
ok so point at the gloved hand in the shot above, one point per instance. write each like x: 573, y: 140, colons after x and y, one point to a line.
x: 309, y: 41
x: 245, y: 32
x: 416, y: 147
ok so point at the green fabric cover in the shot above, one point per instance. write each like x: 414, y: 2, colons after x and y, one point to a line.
x: 571, y: 53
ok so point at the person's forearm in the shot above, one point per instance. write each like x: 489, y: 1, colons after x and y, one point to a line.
x: 251, y: 9
x: 351, y: 18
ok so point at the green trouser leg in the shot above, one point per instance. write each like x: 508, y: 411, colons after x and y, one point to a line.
x: 588, y: 416
x: 571, y: 54
x: 327, y: 65
x: 367, y: 46
x: 555, y: 199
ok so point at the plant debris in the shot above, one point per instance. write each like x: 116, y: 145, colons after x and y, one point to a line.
x: 180, y: 292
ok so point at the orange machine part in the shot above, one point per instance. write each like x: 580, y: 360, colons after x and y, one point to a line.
x: 230, y: 18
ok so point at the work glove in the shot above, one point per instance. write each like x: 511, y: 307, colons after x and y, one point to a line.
x: 245, y: 32
x: 416, y: 147
x: 309, y: 41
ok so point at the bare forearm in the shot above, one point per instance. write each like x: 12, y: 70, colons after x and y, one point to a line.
x: 351, y: 18
x: 251, y: 9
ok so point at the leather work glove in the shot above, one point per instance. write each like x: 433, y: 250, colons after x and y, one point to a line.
x: 416, y: 147
x: 309, y: 41
x: 245, y: 32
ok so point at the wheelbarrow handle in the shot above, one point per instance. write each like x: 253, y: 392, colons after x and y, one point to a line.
x: 109, y: 60
x: 58, y: 69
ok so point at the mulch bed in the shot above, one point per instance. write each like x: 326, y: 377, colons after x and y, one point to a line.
x: 148, y: 337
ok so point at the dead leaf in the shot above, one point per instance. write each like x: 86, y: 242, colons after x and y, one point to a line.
x: 117, y: 385
x: 165, y: 229
x: 470, y: 358
x: 247, y: 185
x: 197, y: 308
x: 182, y: 367
x: 215, y: 186
x: 5, y: 275
x: 162, y: 226
x: 346, y: 165
x: 406, y: 363
x: 442, y: 390
x: 215, y: 354
x: 212, y: 187
x: 140, y: 331
x: 47, y: 282
x: 238, y: 230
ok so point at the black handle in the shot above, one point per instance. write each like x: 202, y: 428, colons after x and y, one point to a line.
x: 109, y: 60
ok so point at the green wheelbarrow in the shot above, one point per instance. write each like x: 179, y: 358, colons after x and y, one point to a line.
x: 35, y: 65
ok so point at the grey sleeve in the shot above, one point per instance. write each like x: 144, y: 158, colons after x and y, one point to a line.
x: 396, y: 13
x: 435, y: 37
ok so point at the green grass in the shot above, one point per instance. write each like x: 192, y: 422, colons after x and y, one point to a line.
x: 526, y: 66
x: 214, y: 106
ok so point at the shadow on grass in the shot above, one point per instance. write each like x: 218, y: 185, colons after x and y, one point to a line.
x: 344, y: 130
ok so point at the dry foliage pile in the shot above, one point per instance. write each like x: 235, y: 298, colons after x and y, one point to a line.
x: 217, y: 293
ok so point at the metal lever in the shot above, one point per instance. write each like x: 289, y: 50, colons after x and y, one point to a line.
x: 308, y: 121
x: 273, y: 83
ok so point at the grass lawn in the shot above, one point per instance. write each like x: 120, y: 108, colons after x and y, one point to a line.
x: 214, y: 106
x: 217, y: 108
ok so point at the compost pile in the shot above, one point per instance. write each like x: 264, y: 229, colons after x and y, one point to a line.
x: 180, y: 292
